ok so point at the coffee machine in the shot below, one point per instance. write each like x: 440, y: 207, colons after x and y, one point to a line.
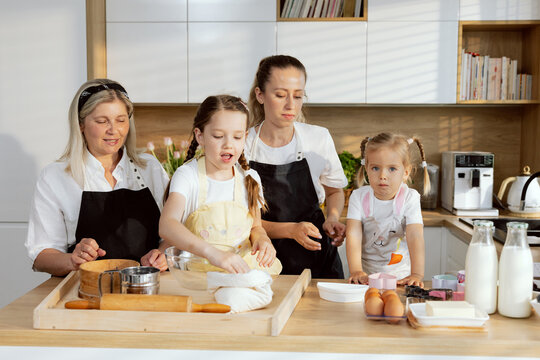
x: 467, y: 183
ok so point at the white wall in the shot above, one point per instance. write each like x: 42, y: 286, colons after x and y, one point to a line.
x: 42, y: 64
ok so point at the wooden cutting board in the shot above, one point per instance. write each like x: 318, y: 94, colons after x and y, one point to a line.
x: 288, y: 289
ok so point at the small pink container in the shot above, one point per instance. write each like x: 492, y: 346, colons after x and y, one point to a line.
x: 382, y: 281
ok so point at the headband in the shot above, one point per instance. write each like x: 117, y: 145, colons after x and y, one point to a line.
x: 87, y: 93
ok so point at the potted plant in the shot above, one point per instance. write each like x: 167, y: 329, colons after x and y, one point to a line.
x: 350, y: 165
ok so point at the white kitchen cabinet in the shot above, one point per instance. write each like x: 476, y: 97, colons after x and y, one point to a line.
x: 334, y: 54
x: 342, y: 251
x: 146, y: 10
x: 456, y: 252
x: 224, y: 56
x: 17, y: 276
x: 413, y: 10
x: 412, y: 62
x: 150, y: 60
x: 238, y: 10
x: 434, y: 240
x: 499, y: 10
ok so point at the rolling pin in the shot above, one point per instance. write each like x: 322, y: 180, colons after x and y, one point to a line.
x: 147, y: 303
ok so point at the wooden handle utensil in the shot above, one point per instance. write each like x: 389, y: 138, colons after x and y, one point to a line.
x: 147, y: 303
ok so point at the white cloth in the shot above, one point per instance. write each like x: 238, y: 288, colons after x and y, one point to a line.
x: 185, y: 181
x: 318, y: 148
x: 57, y: 198
x: 383, y: 224
x: 242, y: 292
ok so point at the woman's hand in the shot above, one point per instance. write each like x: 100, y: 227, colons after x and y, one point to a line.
x: 230, y: 262
x: 413, y: 279
x: 156, y: 259
x: 267, y: 252
x: 302, y: 231
x: 335, y: 230
x: 86, y: 250
x: 358, y: 277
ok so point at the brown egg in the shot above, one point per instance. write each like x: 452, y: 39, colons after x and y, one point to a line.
x: 374, y: 306
x: 393, y: 307
x: 370, y: 292
x: 389, y: 293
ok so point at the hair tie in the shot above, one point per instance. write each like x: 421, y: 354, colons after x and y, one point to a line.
x: 410, y: 140
x: 245, y: 105
x: 424, y: 164
x: 363, y: 162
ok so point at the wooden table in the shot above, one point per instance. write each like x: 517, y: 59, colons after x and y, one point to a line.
x: 316, y: 325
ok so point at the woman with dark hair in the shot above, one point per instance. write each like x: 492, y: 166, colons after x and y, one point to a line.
x: 299, y: 168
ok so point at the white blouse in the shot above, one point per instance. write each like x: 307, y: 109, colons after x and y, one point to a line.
x: 55, y: 208
x: 318, y: 149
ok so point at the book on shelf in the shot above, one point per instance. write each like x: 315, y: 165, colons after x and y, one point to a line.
x: 348, y: 8
x: 318, y: 8
x: 498, y: 78
x: 504, y: 77
x: 358, y: 8
x: 528, y: 92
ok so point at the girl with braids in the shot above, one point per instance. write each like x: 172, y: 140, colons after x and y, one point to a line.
x: 300, y: 170
x: 216, y: 198
x: 384, y: 221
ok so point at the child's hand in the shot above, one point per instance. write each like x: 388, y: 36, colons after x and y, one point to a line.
x: 267, y: 252
x: 302, y: 231
x: 230, y: 262
x: 156, y: 259
x: 413, y: 279
x: 358, y: 277
x: 336, y: 230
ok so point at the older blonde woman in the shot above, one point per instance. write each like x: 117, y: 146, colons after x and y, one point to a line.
x: 100, y: 199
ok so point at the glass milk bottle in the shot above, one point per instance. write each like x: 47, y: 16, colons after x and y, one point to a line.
x: 515, y: 273
x: 481, y: 268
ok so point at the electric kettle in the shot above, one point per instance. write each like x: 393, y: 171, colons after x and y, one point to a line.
x: 532, y: 197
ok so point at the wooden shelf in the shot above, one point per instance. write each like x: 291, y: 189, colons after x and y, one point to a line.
x: 281, y: 3
x: 499, y: 102
x: 518, y: 40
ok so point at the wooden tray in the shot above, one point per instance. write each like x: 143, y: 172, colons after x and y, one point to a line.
x: 288, y: 289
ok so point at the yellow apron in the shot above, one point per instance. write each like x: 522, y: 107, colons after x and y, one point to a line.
x: 225, y: 222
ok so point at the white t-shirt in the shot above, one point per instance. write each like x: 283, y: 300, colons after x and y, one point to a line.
x: 185, y: 181
x: 318, y: 149
x: 57, y: 198
x: 382, y: 209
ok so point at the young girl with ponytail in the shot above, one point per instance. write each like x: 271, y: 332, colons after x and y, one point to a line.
x: 384, y: 221
x: 216, y: 199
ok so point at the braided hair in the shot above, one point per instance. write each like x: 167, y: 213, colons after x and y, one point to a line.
x: 398, y: 143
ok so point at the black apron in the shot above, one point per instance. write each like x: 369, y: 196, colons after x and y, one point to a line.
x: 291, y: 197
x: 123, y: 222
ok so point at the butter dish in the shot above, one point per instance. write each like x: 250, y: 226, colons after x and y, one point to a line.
x: 418, y: 310
x: 339, y: 292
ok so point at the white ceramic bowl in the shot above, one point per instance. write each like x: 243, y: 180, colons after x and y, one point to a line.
x: 339, y: 292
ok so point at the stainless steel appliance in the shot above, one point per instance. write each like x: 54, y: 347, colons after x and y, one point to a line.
x: 467, y: 183
x: 533, y: 232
